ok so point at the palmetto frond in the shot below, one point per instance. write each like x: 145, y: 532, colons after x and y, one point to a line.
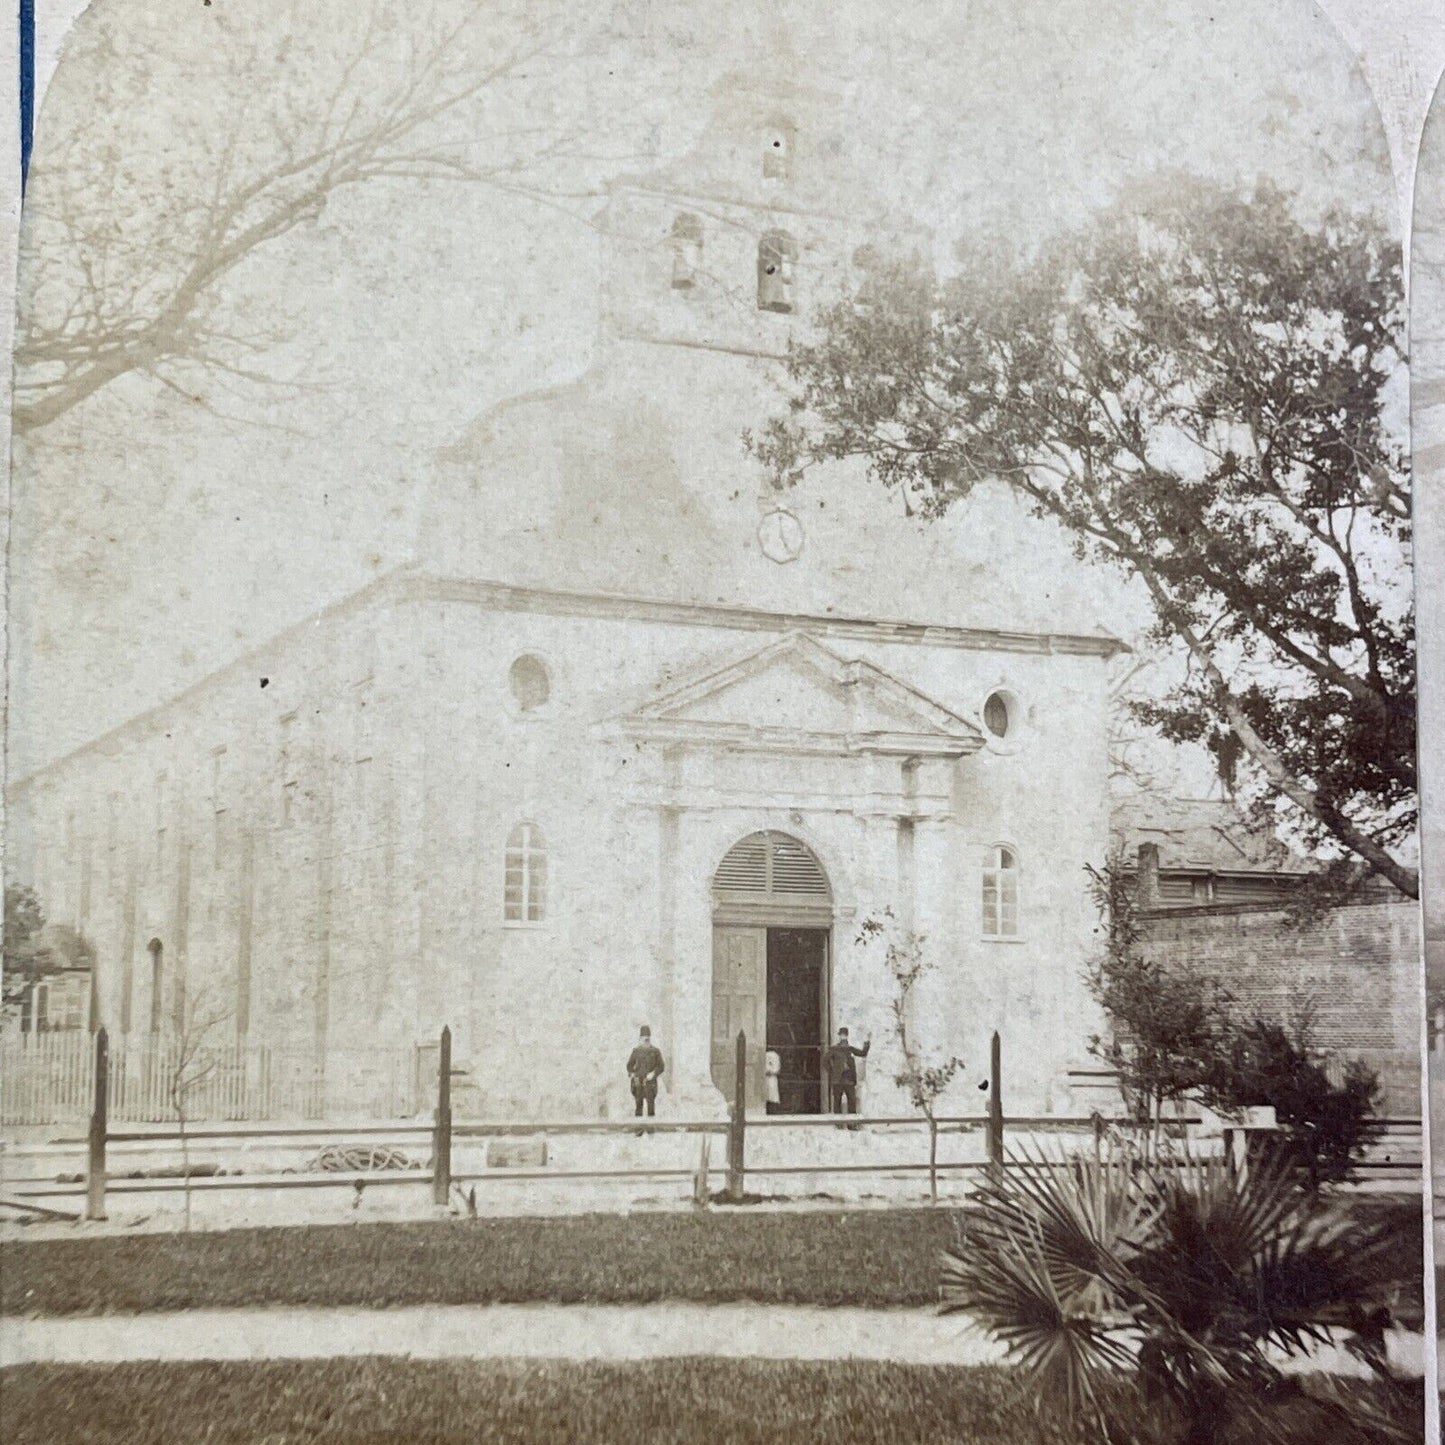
x: 1039, y: 1266
x: 1084, y: 1216
x: 1246, y: 1262
x: 1185, y: 1278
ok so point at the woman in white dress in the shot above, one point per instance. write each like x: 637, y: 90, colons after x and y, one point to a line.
x: 772, y: 1067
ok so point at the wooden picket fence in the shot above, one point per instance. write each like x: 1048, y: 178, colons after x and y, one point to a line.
x: 50, y: 1079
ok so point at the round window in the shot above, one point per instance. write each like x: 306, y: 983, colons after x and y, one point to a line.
x: 996, y: 716
x: 531, y: 684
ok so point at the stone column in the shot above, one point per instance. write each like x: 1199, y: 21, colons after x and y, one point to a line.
x: 245, y: 915
x: 934, y: 909
x: 127, y: 948
x: 668, y: 830
x: 321, y: 965
x: 882, y: 876
x: 174, y: 960
x: 83, y: 924
x: 691, y: 1064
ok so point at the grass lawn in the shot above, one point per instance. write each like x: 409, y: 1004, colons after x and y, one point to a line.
x: 859, y: 1257
x: 847, y: 1257
x: 443, y: 1401
x: 552, y: 1403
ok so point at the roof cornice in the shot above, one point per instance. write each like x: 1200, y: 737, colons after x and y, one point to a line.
x: 507, y: 598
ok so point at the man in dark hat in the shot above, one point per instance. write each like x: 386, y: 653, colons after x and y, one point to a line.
x: 644, y: 1068
x: 843, y: 1073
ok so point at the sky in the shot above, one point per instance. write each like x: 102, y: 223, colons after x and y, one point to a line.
x: 156, y: 536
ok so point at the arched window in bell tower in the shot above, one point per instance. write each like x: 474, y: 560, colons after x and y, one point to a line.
x: 777, y: 255
x: 778, y: 144
x: 686, y: 241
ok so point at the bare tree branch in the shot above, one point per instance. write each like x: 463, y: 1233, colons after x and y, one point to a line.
x: 464, y: 106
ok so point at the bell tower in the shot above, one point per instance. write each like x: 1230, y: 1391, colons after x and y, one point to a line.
x: 726, y: 248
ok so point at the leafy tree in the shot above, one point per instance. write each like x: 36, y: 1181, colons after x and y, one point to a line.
x: 1167, y: 1020
x: 35, y: 949
x: 1327, y: 1127
x: 1198, y: 385
x: 27, y: 957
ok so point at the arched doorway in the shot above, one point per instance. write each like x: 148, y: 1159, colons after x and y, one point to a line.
x: 772, y: 913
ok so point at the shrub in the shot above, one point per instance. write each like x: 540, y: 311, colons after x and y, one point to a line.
x: 1176, y: 1035
x: 1183, y: 1285
x: 1327, y: 1126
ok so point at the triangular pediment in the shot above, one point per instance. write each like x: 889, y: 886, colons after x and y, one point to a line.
x: 797, y: 693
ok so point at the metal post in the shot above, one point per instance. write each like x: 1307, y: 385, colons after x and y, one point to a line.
x: 441, y: 1169
x: 738, y: 1124
x: 995, y: 1107
x: 95, y: 1164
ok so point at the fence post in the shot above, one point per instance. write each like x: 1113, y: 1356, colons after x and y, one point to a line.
x: 441, y: 1171
x: 995, y: 1107
x: 738, y: 1123
x: 95, y: 1163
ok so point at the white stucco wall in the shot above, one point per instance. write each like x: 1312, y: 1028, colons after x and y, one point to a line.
x: 375, y: 894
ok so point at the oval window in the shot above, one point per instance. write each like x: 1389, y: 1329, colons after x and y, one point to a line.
x: 531, y: 684
x: 996, y: 714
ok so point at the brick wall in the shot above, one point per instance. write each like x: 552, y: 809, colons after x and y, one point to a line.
x: 1357, y: 966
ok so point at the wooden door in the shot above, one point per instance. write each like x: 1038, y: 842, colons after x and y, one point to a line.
x: 739, y: 1001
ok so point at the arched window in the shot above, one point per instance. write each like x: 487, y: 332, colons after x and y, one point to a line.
x: 525, y: 894
x: 530, y: 682
x: 686, y: 241
x: 777, y: 255
x: 157, y: 952
x: 778, y: 150
x: 1001, y: 893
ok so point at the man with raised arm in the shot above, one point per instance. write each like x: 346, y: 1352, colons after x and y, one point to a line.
x: 843, y: 1073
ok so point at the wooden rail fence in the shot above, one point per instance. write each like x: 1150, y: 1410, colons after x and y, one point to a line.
x: 440, y: 1174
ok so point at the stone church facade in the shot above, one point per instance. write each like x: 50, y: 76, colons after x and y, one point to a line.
x: 634, y: 739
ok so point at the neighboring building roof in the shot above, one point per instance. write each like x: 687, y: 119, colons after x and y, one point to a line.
x: 1202, y: 835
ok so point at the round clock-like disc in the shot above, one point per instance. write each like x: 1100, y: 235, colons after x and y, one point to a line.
x: 780, y: 535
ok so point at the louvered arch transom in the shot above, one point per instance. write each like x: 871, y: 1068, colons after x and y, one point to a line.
x: 774, y: 872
